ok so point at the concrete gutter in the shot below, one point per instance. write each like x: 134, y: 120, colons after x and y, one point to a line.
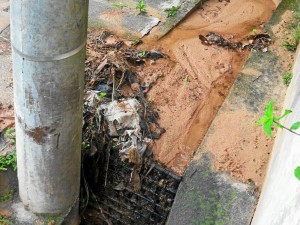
x: 279, y: 203
x: 206, y: 196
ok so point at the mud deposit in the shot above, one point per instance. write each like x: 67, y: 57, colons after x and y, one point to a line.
x: 189, y: 92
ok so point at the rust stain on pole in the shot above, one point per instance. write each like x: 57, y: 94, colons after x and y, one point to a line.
x: 37, y: 134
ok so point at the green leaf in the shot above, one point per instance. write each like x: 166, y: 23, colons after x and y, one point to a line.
x: 269, y: 109
x: 286, y: 112
x: 279, y: 125
x: 295, y: 126
x: 297, y: 172
x: 261, y: 120
x: 102, y: 94
x: 268, y: 127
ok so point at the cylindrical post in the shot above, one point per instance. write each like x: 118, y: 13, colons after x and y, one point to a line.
x: 48, y: 41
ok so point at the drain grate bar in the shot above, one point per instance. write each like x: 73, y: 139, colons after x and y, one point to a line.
x: 142, y: 208
x: 125, y: 206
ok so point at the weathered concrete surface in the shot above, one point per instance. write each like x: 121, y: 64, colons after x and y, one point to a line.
x: 279, y: 201
x: 249, y: 95
x: 6, y: 97
x: 123, y: 18
x: 206, y: 197
x: 4, y: 20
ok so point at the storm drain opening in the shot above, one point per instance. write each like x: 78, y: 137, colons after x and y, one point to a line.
x: 120, y: 181
x: 117, y: 202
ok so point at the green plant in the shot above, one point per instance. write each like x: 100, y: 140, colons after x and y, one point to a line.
x: 186, y: 79
x: 86, y: 145
x: 143, y: 53
x: 294, y: 26
x: 8, y: 160
x: 10, y: 135
x: 254, y: 31
x: 4, y: 220
x: 172, y: 11
x: 102, y: 95
x: 290, y: 47
x: 119, y: 5
x: 141, y: 6
x: 152, y: 99
x: 287, y: 77
x: 137, y: 41
x: 297, y: 172
x: 269, y: 120
x: 6, y: 196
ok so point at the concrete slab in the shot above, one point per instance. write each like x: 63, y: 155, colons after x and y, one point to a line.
x: 123, y: 18
x: 248, y: 96
x: 279, y: 201
x: 206, y: 197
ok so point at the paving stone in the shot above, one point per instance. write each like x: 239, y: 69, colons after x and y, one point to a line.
x: 123, y: 18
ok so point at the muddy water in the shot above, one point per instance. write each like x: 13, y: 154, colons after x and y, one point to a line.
x: 189, y: 92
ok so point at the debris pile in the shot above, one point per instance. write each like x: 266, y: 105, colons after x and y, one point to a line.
x: 119, y: 126
x: 259, y: 42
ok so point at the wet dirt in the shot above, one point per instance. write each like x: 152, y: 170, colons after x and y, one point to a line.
x: 189, y: 91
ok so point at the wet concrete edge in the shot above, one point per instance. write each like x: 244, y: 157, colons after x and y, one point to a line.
x: 209, y: 197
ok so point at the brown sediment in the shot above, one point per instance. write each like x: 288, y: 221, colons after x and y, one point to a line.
x: 189, y: 91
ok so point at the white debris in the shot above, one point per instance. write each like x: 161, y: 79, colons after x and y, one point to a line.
x: 124, y: 122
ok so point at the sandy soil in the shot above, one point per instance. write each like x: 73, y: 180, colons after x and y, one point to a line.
x: 245, y: 152
x: 189, y: 95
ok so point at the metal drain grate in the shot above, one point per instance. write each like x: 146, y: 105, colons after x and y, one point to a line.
x: 120, y: 204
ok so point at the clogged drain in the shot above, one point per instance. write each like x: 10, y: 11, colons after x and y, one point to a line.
x: 121, y: 184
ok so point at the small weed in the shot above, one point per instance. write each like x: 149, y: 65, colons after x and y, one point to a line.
x: 102, y: 95
x: 186, y: 79
x: 297, y: 35
x: 10, y: 135
x: 294, y: 26
x: 6, y: 196
x: 143, y: 53
x: 119, y: 5
x: 86, y: 145
x: 297, y: 172
x: 141, y: 6
x: 269, y: 120
x: 137, y: 41
x: 152, y: 99
x: 8, y: 160
x: 254, y: 31
x: 287, y: 77
x: 290, y: 47
x: 5, y: 221
x: 172, y: 11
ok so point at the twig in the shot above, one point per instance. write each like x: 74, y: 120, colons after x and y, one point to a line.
x: 4, y: 147
x: 288, y: 129
x: 113, y: 92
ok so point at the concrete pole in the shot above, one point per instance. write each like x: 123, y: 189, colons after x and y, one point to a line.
x: 48, y: 41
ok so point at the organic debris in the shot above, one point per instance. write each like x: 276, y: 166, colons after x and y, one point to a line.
x: 259, y: 42
x: 119, y: 122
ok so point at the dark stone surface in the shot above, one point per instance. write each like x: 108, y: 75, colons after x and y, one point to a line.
x: 206, y: 197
